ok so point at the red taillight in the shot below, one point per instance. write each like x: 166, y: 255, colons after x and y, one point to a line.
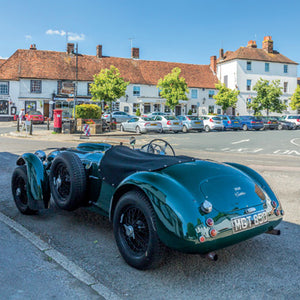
x: 298, y: 120
x: 201, y: 239
x: 209, y: 222
x: 213, y: 232
x: 269, y: 122
x: 105, y: 116
x: 188, y: 118
x: 252, y: 122
x: 211, y: 120
x: 229, y: 122
x: 146, y: 124
x: 169, y: 123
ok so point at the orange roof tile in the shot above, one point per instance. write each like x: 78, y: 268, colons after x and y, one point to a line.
x: 2, y: 61
x: 41, y: 64
x: 249, y: 53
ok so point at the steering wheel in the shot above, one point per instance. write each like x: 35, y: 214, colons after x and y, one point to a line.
x: 160, y: 146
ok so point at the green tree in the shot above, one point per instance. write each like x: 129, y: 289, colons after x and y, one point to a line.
x: 108, y: 85
x: 225, y: 97
x: 268, y: 97
x: 173, y: 88
x: 295, y: 100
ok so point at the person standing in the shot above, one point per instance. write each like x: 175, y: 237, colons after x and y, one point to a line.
x: 21, y: 114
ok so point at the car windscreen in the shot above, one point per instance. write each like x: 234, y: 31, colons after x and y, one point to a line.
x: 147, y: 119
x: 170, y: 118
x: 193, y: 118
x: 216, y: 118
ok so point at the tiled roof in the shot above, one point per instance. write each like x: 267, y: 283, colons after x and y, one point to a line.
x: 40, y: 64
x: 249, y: 53
x: 2, y: 61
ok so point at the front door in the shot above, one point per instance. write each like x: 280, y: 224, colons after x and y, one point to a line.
x: 177, y: 110
x: 46, y: 109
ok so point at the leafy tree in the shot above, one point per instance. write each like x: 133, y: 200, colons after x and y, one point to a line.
x: 173, y: 88
x: 108, y: 85
x: 88, y: 111
x: 268, y: 97
x: 225, y: 97
x: 295, y: 103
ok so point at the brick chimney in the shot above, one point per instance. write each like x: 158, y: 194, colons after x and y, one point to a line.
x: 70, y: 48
x: 99, y: 51
x: 213, y: 63
x: 252, y: 44
x: 32, y: 47
x: 267, y: 44
x: 135, y: 53
x: 221, y: 53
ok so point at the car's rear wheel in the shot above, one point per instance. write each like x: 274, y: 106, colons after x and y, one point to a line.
x: 68, y: 181
x: 206, y: 128
x: 135, y: 231
x: 19, y: 190
x: 185, y: 129
x: 137, y: 129
x: 121, y: 128
x: 245, y: 127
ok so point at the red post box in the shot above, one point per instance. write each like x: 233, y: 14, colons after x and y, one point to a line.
x: 57, y: 120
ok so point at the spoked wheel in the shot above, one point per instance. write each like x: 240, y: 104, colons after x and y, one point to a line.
x: 160, y: 146
x: 67, y: 181
x: 135, y: 231
x: 19, y: 190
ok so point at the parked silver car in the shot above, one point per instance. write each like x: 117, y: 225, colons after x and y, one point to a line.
x: 141, y: 125
x: 154, y: 114
x: 116, y: 116
x: 191, y: 123
x: 212, y: 123
x: 293, y: 119
x: 169, y: 123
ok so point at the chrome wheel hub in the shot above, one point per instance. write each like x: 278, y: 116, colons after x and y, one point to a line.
x: 129, y: 231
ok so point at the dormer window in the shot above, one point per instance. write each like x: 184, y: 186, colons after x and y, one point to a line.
x: 249, y: 68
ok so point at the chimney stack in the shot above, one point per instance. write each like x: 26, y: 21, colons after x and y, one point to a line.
x: 213, y: 63
x: 135, y: 53
x: 99, y: 51
x: 32, y: 47
x: 267, y: 44
x: 70, y: 48
x: 252, y: 44
x: 221, y: 53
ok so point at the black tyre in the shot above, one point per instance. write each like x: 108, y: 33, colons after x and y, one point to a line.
x: 280, y: 127
x: 137, y: 129
x: 19, y: 190
x: 135, y: 231
x: 67, y: 181
x: 245, y: 127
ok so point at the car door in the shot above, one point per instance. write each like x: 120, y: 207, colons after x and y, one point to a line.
x: 132, y: 124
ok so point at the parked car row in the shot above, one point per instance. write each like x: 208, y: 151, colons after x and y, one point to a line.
x: 161, y: 122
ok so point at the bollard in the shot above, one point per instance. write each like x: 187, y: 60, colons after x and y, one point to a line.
x: 48, y: 124
x: 30, y: 131
x: 18, y: 124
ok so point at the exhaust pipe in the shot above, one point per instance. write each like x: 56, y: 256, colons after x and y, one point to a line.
x: 212, y: 256
x: 274, y: 232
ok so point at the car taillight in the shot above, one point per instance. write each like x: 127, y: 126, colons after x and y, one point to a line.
x: 105, y: 116
x: 252, y: 122
x: 188, y: 118
x: 211, y: 120
x: 146, y: 124
x: 229, y: 122
x: 269, y: 122
x: 298, y: 120
x: 169, y: 123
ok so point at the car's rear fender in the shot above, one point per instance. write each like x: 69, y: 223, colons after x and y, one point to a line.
x: 176, y: 209
x: 38, y: 190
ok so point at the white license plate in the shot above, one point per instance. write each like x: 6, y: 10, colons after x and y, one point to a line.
x: 248, y: 221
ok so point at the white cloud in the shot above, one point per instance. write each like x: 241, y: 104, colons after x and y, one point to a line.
x: 71, y: 35
x: 3, y: 57
x: 56, y: 32
x: 28, y: 37
x: 75, y: 37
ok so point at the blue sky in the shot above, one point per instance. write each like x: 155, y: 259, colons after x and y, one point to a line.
x: 188, y: 31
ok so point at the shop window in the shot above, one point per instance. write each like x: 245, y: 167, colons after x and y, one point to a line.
x: 156, y: 107
x: 194, y: 109
x: 4, y: 107
x: 147, y: 108
x: 36, y: 86
x: 29, y: 106
x: 211, y: 109
x: 167, y: 109
x: 126, y: 109
x: 135, y: 107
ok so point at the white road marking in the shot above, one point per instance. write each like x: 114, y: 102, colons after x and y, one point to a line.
x: 62, y: 260
x: 294, y: 143
x: 286, y: 152
x: 238, y: 142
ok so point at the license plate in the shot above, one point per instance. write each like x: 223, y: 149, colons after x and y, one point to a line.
x: 248, y: 221
x: 197, y: 122
x: 217, y: 122
x: 176, y: 123
x: 235, y: 122
x: 153, y: 124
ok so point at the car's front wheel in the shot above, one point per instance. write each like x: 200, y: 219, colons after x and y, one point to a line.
x: 185, y: 129
x: 135, y: 231
x: 19, y: 190
x: 207, y: 128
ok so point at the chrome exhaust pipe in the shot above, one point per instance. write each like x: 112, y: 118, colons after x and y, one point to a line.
x: 274, y: 232
x: 212, y: 256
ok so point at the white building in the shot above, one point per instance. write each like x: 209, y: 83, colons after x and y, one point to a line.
x: 242, y: 68
x: 42, y: 80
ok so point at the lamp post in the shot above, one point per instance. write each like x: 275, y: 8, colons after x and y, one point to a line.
x: 76, y: 79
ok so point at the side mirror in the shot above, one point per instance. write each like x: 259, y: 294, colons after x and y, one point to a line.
x: 132, y: 141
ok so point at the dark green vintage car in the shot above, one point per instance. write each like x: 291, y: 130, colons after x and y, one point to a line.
x: 154, y: 201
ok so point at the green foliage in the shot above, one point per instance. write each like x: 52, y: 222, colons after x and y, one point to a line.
x: 108, y: 85
x: 138, y: 112
x: 190, y: 112
x: 268, y: 97
x: 173, y: 88
x: 88, y: 111
x: 295, y: 100
x: 226, y: 97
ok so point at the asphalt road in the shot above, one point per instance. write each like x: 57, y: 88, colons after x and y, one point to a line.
x: 265, y: 267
